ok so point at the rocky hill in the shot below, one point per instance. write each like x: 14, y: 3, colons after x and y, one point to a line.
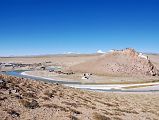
x: 119, y: 62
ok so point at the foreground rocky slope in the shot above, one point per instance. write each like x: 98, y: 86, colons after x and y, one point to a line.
x: 23, y: 99
x: 125, y: 62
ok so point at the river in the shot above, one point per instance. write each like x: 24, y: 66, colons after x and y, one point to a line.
x: 102, y: 88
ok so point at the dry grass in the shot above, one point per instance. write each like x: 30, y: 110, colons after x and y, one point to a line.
x: 59, y: 102
x: 29, y: 94
x: 45, y: 98
x: 98, y: 116
x: 55, y: 106
x: 32, y: 104
x: 50, y: 93
x: 70, y: 104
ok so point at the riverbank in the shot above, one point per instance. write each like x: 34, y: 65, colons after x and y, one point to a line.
x: 53, y: 78
x: 93, y: 79
x: 136, y: 87
x: 43, y: 101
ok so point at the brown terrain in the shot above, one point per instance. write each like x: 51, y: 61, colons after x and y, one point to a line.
x: 61, y: 60
x: 119, y: 66
x: 24, y: 99
x: 125, y: 62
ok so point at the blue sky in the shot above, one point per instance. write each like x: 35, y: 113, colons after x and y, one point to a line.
x: 30, y: 27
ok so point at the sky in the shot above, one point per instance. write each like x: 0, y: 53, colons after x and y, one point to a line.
x: 33, y: 27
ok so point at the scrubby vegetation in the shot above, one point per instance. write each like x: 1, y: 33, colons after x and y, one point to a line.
x: 24, y: 99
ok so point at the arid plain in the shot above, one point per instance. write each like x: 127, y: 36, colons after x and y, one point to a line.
x: 25, y: 99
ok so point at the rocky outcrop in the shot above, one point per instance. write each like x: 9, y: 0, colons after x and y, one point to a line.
x: 119, y: 62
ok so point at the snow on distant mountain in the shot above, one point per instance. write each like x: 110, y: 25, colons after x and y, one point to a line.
x: 100, y: 51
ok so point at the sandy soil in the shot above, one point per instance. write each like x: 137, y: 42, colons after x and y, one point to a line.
x: 94, y: 79
x: 62, y: 60
x: 99, y: 85
x: 67, y: 61
x: 43, y: 101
